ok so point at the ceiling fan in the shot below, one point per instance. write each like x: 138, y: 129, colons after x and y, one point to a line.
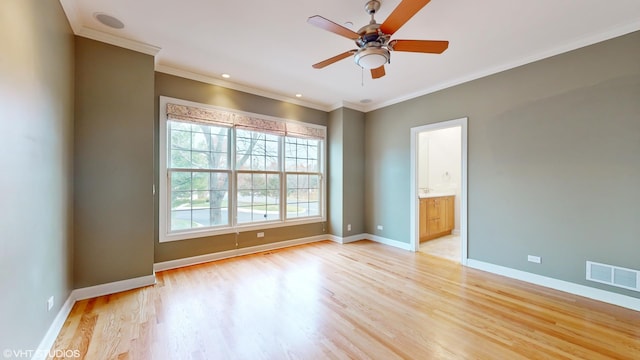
x: 374, y: 40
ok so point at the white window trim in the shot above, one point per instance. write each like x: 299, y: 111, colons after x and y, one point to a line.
x: 164, y: 192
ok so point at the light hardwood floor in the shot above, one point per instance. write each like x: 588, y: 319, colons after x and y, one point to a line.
x: 359, y: 301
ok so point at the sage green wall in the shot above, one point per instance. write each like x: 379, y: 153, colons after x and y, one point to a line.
x: 353, y: 162
x: 113, y: 160
x: 346, y: 172
x: 36, y: 98
x: 191, y: 90
x: 335, y: 173
x: 553, y: 161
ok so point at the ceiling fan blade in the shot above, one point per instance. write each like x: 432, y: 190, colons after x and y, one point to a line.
x: 401, y: 14
x: 421, y: 46
x: 331, y: 60
x: 329, y: 25
x: 378, y: 72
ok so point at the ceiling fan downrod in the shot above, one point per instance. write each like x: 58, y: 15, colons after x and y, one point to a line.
x: 372, y: 7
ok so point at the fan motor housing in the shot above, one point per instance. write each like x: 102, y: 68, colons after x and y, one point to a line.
x: 370, y: 33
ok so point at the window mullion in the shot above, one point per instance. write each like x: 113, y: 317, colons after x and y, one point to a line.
x: 283, y: 185
x: 233, y: 206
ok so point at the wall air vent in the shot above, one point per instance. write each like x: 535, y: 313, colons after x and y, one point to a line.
x: 613, y: 275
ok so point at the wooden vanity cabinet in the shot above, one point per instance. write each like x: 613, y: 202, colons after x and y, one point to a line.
x: 437, y: 217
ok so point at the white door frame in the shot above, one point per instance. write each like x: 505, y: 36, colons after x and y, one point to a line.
x: 415, y: 202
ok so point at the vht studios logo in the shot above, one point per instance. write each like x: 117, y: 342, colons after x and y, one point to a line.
x: 28, y: 354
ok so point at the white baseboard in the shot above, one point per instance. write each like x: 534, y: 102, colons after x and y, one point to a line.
x: 81, y: 294
x: 52, y: 334
x: 124, y: 285
x: 128, y: 284
x: 113, y: 287
x: 348, y: 239
x: 194, y: 260
x: 375, y: 238
x: 569, y: 287
x: 390, y: 242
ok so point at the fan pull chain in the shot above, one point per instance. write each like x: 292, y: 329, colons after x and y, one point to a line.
x: 361, y: 76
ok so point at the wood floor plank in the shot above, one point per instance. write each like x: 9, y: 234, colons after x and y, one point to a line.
x: 356, y: 301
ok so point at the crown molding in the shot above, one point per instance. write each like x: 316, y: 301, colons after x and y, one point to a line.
x: 347, y: 104
x: 118, y: 41
x: 71, y: 11
x: 581, y: 42
x: 239, y: 87
x: 350, y: 105
x: 354, y: 106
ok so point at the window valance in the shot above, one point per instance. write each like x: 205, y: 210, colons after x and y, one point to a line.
x: 196, y: 114
x: 231, y: 119
x: 264, y: 125
x: 303, y: 131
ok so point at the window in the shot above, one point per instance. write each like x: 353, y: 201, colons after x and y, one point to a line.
x: 224, y: 171
x: 258, y: 176
x: 198, y: 175
x: 303, y: 177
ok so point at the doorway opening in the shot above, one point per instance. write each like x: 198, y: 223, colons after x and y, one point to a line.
x: 440, y: 181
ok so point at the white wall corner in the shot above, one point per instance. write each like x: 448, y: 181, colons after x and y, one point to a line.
x: 561, y: 285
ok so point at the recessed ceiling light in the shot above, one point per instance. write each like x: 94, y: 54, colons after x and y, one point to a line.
x: 108, y: 20
x: 348, y: 24
x: 298, y: 95
x: 365, y: 101
x: 226, y: 76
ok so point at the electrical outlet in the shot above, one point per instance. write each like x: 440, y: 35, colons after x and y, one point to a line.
x: 534, y: 259
x: 50, y: 303
x: 348, y: 227
x: 380, y: 227
x: 260, y: 234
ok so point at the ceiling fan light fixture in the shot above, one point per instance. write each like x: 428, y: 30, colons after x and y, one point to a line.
x: 374, y: 40
x: 372, y: 57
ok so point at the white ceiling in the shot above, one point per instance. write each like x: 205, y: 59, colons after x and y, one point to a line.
x: 268, y: 47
